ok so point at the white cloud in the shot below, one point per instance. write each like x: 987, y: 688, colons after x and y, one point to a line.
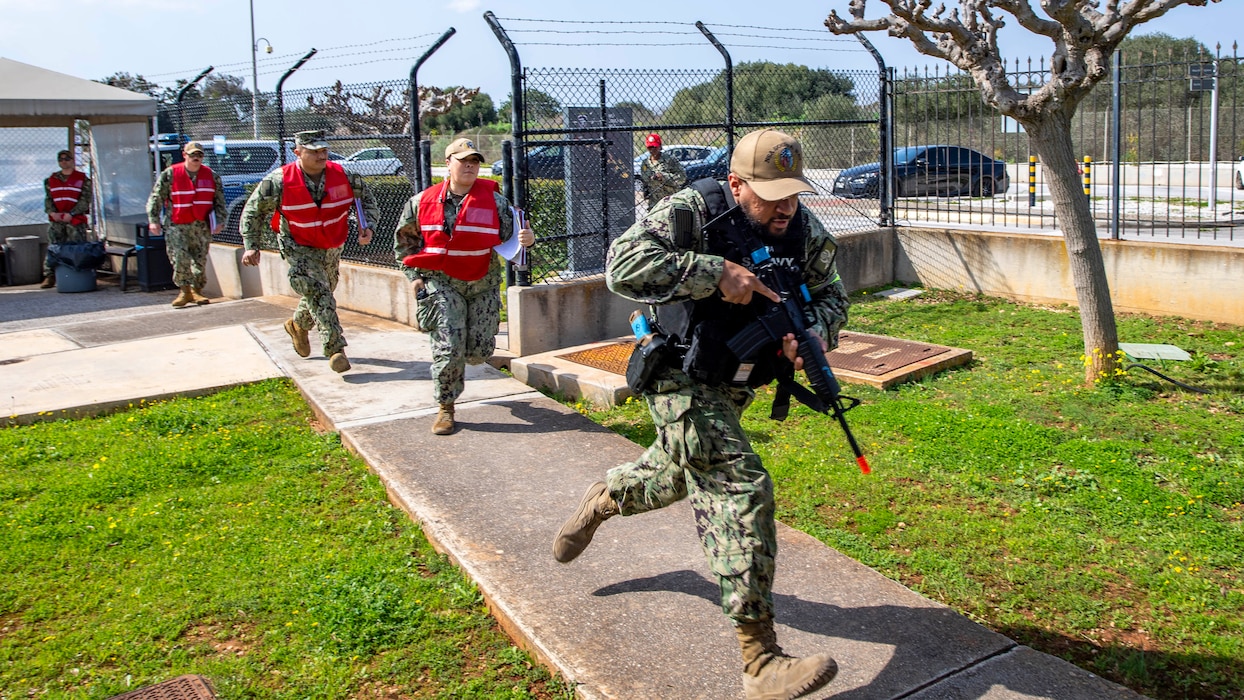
x: 464, y: 5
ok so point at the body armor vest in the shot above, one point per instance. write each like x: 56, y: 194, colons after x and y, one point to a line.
x: 700, y: 328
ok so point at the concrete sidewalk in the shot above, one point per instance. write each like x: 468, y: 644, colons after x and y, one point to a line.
x: 636, y: 616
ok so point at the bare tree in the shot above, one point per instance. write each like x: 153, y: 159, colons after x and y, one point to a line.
x: 378, y: 116
x: 1085, y: 34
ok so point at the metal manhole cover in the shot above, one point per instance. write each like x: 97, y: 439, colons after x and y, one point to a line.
x: 875, y: 354
x: 188, y: 687
x: 611, y: 358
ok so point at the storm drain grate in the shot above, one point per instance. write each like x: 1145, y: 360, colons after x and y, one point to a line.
x: 611, y: 358
x: 877, y: 355
x: 189, y: 687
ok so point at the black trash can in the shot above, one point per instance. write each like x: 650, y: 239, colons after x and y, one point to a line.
x: 155, y: 272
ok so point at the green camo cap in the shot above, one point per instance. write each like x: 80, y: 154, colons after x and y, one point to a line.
x: 313, y: 140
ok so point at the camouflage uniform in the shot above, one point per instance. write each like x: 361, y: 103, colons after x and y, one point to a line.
x: 661, y: 179
x: 461, y: 318
x: 60, y: 232
x: 313, y: 272
x: 187, y: 244
x: 701, y: 450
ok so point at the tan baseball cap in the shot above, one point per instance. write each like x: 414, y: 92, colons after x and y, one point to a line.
x: 771, y: 162
x: 191, y: 147
x: 462, y: 149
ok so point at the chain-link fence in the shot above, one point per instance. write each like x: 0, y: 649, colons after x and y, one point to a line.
x: 582, y: 142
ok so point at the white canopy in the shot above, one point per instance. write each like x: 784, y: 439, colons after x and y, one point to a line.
x: 33, y: 96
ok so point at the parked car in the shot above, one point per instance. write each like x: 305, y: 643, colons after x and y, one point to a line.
x: 542, y: 162
x: 684, y: 153
x: 373, y: 161
x: 715, y: 165
x: 942, y: 171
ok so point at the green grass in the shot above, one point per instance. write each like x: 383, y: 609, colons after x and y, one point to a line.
x: 1104, y: 525
x: 225, y: 536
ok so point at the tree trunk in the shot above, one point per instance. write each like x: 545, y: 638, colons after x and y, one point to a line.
x: 1051, y: 136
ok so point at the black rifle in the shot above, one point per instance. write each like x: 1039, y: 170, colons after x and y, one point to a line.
x: 787, y: 317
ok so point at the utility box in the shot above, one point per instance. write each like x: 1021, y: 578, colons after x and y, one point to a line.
x: 155, y: 272
x: 22, y: 259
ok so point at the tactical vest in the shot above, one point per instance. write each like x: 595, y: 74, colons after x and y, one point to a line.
x: 192, y: 198
x: 66, y: 193
x: 700, y: 328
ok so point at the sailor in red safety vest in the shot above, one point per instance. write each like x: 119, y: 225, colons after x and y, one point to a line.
x: 67, y: 201
x: 445, y: 239
x: 307, y: 204
x: 187, y: 207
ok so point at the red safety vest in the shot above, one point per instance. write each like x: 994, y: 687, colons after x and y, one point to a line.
x: 323, y: 225
x: 192, y: 200
x: 465, y: 254
x: 65, y: 195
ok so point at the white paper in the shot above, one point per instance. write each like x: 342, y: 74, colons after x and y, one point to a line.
x: 211, y: 220
x: 511, y: 248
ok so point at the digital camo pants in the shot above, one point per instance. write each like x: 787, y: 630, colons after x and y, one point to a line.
x: 59, y: 232
x: 701, y: 452
x: 462, y: 330
x: 188, y: 245
x: 313, y: 273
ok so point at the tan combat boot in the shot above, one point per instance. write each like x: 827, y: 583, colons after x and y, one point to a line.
x: 339, y: 362
x: 184, y: 298
x: 298, y: 334
x: 769, y: 674
x: 444, y: 424
x: 48, y: 282
x: 199, y: 298
x: 596, y: 507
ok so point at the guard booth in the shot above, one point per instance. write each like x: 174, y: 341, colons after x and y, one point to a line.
x: 108, y: 130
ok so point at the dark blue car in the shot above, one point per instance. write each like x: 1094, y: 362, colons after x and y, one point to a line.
x: 715, y: 165
x: 930, y: 171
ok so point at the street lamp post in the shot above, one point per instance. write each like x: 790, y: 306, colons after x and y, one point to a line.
x: 255, y: 71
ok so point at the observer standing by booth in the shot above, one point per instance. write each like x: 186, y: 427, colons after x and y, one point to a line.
x: 687, y: 259
x: 660, y: 174
x: 445, y: 240
x: 308, y: 204
x: 193, y: 202
x: 67, y: 201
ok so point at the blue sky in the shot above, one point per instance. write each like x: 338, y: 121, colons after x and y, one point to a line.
x: 374, y: 40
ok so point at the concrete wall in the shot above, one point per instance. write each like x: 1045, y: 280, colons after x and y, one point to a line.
x: 1195, y: 281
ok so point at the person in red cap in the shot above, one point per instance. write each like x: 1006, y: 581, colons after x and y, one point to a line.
x: 660, y: 175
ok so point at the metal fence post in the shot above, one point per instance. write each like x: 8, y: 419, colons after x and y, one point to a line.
x: 420, y: 183
x: 280, y: 104
x: 1116, y: 146
x: 181, y: 133
x: 885, y: 179
x: 729, y: 84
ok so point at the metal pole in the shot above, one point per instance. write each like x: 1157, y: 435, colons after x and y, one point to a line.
x: 1213, y: 138
x: 1032, y: 181
x: 1088, y: 180
x: 885, y: 181
x: 181, y: 131
x: 254, y: 74
x: 1116, y: 148
x: 421, y: 184
x: 518, y: 184
x: 280, y: 103
x: 729, y: 84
